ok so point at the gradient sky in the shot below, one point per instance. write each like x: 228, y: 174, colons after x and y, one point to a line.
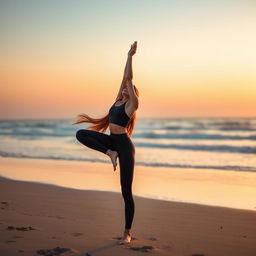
x: 62, y: 58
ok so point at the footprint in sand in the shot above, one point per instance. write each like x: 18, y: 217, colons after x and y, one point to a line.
x: 4, y: 205
x: 57, y: 217
x: 20, y: 228
x: 145, y: 248
x: 152, y: 238
x: 56, y: 251
x: 77, y: 234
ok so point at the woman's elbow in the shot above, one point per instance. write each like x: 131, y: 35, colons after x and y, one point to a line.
x: 136, y: 103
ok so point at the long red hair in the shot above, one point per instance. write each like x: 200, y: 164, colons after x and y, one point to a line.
x: 101, y: 124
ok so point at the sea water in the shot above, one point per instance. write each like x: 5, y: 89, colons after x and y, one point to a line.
x: 213, y: 143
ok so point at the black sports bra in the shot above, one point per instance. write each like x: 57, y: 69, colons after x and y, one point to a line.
x: 117, y: 115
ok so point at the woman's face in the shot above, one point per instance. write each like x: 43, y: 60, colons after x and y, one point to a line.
x: 125, y: 92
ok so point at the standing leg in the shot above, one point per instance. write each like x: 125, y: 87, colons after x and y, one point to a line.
x: 126, y: 161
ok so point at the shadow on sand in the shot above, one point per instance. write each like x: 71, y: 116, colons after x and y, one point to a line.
x: 100, y: 249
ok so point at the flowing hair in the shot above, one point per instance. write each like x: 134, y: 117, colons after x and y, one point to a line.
x: 101, y: 124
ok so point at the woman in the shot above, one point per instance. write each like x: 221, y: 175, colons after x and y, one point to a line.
x: 120, y: 120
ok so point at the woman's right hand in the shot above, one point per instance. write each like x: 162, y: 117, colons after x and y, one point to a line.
x: 133, y: 49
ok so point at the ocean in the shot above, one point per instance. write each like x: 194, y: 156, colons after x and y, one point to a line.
x: 213, y: 143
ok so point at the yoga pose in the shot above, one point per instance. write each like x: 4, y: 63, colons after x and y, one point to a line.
x: 120, y: 120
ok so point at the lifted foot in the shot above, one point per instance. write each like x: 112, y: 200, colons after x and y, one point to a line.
x: 113, y: 156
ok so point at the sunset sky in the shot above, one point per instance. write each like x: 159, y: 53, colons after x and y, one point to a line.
x: 62, y: 58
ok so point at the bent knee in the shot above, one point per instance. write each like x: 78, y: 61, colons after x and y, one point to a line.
x: 80, y: 133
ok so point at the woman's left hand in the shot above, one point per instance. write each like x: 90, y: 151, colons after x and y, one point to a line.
x: 133, y: 49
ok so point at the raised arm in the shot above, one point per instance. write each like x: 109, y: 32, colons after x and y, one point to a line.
x: 132, y: 94
x: 128, y: 75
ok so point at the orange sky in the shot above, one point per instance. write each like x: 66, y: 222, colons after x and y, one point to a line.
x: 194, y: 61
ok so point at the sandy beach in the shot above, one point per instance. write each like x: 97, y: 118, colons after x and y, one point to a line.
x: 36, y: 216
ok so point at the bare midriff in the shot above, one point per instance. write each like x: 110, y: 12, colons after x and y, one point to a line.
x: 115, y: 128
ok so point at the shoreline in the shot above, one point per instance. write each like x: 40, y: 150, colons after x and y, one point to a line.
x: 154, y: 165
x: 197, y: 186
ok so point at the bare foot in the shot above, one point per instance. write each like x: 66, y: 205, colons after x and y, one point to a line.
x: 113, y: 156
x: 126, y: 238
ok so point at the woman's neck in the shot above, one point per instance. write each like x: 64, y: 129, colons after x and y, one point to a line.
x: 124, y: 99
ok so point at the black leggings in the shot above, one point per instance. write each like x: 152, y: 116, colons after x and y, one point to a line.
x: 126, y: 154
